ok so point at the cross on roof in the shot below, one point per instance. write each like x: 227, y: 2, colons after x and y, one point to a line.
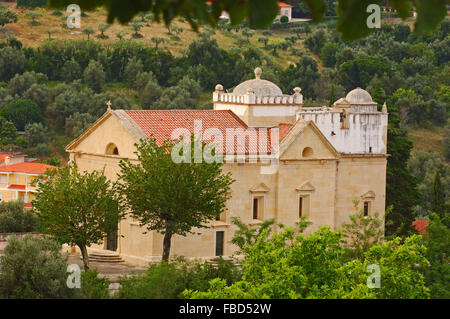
x: 109, y: 104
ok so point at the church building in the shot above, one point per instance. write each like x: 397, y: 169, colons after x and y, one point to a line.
x: 311, y: 162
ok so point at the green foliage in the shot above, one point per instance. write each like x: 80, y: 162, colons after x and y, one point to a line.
x: 77, y: 208
x: 289, y: 266
x: 401, y: 185
x: 22, y: 112
x: 360, y: 71
x: 167, y: 280
x: 150, y: 187
x: 94, y: 76
x: 42, y: 149
x: 34, y: 15
x: 36, y: 133
x: 7, y: 16
x: 15, y: 219
x: 362, y: 232
x: 77, y: 123
x: 437, y: 241
x: 8, y: 132
x: 34, y: 268
x: 31, y: 3
x: 284, y: 19
x: 71, y: 70
x: 446, y: 142
x: 12, y: 61
x: 20, y: 83
x: 328, y: 54
x: 437, y: 196
x: 94, y: 287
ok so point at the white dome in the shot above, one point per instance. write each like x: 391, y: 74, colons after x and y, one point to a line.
x: 258, y: 86
x: 359, y: 96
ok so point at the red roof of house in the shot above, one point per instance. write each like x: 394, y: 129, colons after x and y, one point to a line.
x: 420, y: 225
x: 3, y: 156
x: 14, y: 186
x: 161, y: 123
x: 27, y: 205
x: 26, y: 167
x: 282, y: 4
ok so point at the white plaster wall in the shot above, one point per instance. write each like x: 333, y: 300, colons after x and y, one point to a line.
x: 365, y: 130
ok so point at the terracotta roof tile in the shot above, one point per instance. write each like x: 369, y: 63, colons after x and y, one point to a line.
x: 25, y: 167
x: 282, y: 4
x: 161, y: 123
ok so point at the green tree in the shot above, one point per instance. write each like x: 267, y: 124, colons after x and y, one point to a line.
x: 77, y: 123
x: 12, y: 62
x: 401, y: 185
x: 328, y: 54
x: 132, y: 69
x: 71, y: 70
x: 362, y: 232
x: 8, y: 132
x: 94, y: 76
x: 157, y: 41
x: 437, y: 196
x: 88, y: 31
x: 15, y: 219
x: 34, y: 268
x: 22, y: 112
x: 172, y: 198
x: 77, y: 208
x: 102, y: 27
x: 36, y: 133
x: 136, y: 27
x: 34, y: 15
x: 437, y: 241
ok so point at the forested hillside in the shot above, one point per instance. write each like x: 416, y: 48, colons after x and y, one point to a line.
x: 54, y: 82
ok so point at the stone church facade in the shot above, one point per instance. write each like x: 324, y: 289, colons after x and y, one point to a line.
x: 317, y: 162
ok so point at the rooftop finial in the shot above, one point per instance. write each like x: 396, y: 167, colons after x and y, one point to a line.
x: 109, y: 105
x: 258, y: 72
x: 384, y: 109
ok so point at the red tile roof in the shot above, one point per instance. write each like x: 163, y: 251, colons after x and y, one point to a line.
x: 13, y: 186
x: 26, y: 167
x: 27, y: 205
x: 282, y: 4
x: 420, y: 225
x: 161, y: 123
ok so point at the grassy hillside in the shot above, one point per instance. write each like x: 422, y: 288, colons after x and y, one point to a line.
x: 33, y: 36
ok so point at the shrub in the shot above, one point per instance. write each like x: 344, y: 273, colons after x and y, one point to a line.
x: 57, y: 13
x: 93, y: 287
x: 170, y: 279
x: 284, y: 19
x: 34, y: 268
x: 15, y: 219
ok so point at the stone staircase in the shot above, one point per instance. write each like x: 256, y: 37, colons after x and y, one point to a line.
x: 214, y: 262
x: 105, y: 257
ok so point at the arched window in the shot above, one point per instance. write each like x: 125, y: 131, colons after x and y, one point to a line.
x: 307, y: 152
x: 112, y: 149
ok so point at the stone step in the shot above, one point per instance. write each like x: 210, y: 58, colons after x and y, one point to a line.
x: 105, y: 257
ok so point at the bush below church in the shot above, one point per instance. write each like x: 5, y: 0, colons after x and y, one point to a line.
x: 15, y: 219
x: 167, y: 280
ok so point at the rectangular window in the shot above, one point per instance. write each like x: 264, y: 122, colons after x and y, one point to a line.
x: 255, y: 207
x: 366, y: 208
x: 300, y: 207
x: 219, y: 243
x: 258, y: 207
x: 3, y: 179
